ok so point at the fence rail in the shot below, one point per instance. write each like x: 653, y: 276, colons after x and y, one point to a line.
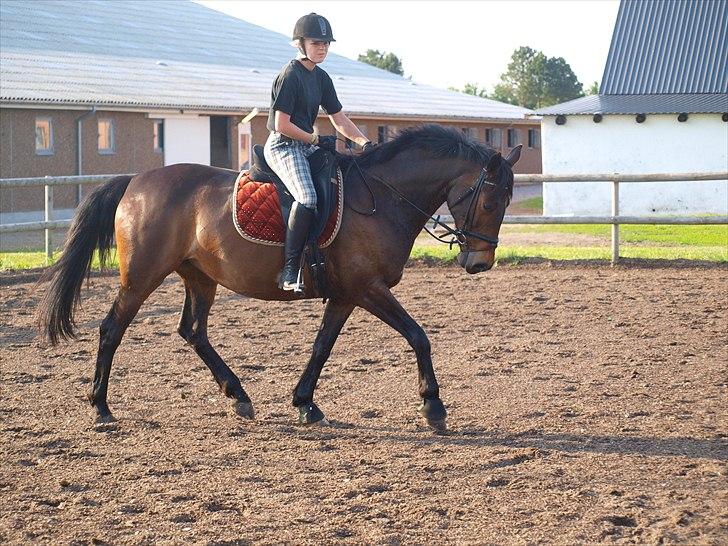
x: 49, y: 182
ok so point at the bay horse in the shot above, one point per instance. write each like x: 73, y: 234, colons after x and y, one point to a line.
x: 178, y: 219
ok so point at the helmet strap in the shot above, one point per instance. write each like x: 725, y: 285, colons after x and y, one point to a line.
x: 301, y: 50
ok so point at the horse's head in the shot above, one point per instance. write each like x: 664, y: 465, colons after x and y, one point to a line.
x: 478, y: 203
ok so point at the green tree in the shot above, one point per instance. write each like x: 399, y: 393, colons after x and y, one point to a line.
x: 535, y: 81
x: 593, y: 89
x: 386, y: 61
x: 471, y: 89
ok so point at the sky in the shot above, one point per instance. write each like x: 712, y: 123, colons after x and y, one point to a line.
x: 451, y: 43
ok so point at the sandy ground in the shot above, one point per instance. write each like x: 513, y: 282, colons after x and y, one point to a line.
x: 586, y: 405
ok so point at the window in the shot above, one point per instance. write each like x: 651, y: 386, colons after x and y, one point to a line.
x: 107, y: 143
x: 382, y: 134
x: 514, y: 138
x: 159, y: 136
x: 385, y: 133
x: 534, y: 138
x: 493, y: 138
x: 43, y: 136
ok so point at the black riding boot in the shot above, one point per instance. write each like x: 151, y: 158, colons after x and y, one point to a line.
x: 299, y: 223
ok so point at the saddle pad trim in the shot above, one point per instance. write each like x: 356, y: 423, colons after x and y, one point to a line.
x: 248, y: 237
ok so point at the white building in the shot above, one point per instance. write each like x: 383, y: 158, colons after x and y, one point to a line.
x: 662, y: 108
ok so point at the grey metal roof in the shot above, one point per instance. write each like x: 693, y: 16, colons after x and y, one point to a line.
x: 668, y: 46
x: 178, y: 54
x: 689, y: 103
x: 667, y: 56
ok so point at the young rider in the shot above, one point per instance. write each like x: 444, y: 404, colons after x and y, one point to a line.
x: 298, y: 91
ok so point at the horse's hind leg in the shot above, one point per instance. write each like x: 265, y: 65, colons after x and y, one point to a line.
x: 335, y: 316
x: 122, y: 312
x: 199, y: 295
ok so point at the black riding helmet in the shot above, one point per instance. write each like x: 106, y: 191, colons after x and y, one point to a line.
x: 313, y: 27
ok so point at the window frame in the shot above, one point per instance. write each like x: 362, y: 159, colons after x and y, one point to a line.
x: 51, y: 150
x: 155, y: 136
x: 112, y: 134
x: 534, y: 142
x: 382, y: 133
x: 496, y: 132
x: 517, y: 137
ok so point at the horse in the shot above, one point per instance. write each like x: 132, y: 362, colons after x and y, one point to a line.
x: 177, y: 219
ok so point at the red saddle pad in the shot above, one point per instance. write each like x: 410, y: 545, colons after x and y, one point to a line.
x: 257, y: 213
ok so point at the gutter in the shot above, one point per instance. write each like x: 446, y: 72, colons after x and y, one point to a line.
x: 79, y: 148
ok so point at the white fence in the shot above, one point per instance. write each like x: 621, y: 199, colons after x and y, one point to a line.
x: 615, y: 219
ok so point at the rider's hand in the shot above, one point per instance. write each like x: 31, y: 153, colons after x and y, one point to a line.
x: 327, y: 142
x: 368, y: 145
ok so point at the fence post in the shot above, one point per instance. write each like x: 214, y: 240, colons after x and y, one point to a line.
x: 615, y: 224
x: 48, y: 218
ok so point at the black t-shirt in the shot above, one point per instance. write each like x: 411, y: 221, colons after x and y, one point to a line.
x: 299, y: 92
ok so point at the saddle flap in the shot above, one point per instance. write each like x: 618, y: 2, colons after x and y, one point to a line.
x: 257, y: 208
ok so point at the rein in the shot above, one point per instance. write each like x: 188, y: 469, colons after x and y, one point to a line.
x: 459, y: 236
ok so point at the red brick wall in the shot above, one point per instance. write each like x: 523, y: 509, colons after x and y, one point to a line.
x: 134, y: 152
x: 530, y: 161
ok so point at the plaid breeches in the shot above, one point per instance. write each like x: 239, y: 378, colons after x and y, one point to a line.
x: 288, y: 159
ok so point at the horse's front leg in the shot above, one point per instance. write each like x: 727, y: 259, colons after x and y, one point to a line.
x: 381, y: 303
x: 335, y: 316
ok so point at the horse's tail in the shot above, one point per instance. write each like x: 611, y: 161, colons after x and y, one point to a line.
x: 92, y: 228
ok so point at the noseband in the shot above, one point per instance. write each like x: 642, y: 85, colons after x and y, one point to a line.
x: 459, y: 235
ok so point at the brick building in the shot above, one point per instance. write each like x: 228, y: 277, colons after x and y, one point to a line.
x: 98, y: 87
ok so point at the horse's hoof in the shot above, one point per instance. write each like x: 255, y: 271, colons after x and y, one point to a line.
x: 310, y: 414
x: 437, y: 426
x: 244, y: 409
x: 433, y: 410
x: 105, y: 419
x: 105, y: 422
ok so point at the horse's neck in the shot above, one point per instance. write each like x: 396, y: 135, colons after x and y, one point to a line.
x: 424, y: 189
x: 423, y: 181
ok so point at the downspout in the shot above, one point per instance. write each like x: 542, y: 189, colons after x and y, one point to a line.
x: 79, y: 148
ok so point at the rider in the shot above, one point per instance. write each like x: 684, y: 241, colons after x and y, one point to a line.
x: 298, y: 91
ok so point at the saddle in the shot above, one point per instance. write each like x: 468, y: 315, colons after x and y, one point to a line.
x: 262, y: 205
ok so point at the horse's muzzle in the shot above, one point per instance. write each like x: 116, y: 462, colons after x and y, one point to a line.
x: 476, y: 262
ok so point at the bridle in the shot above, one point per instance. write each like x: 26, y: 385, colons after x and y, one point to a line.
x: 459, y: 235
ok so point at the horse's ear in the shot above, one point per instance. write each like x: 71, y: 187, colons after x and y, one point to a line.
x: 514, y: 155
x: 494, y: 163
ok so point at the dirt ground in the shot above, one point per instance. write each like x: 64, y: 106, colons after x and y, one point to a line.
x: 586, y: 405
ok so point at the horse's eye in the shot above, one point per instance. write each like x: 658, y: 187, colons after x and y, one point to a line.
x: 488, y: 206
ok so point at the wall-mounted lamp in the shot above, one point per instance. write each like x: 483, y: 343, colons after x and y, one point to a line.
x: 640, y: 118
x: 597, y: 118
x: 682, y: 117
x: 561, y: 119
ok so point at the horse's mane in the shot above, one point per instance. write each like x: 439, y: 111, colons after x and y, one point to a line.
x: 441, y: 142
x: 436, y: 139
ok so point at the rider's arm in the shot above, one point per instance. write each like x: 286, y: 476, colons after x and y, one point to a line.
x: 284, y: 126
x: 347, y: 128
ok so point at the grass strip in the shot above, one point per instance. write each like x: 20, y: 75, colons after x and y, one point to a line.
x: 664, y: 234
x: 444, y: 255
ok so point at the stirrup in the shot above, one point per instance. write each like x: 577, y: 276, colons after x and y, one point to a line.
x: 298, y: 286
